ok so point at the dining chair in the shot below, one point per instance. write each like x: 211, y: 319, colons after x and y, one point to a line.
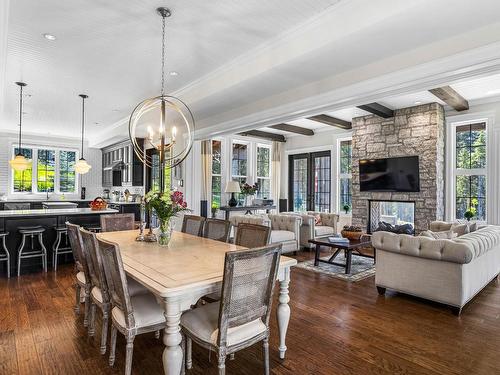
x: 241, y: 318
x: 217, y: 229
x: 252, y: 235
x: 131, y: 315
x: 117, y: 222
x: 192, y: 224
x: 82, y: 270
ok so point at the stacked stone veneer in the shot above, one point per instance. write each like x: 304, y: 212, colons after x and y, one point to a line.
x: 412, y: 131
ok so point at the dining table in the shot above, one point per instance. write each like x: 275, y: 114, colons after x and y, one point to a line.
x: 179, y: 274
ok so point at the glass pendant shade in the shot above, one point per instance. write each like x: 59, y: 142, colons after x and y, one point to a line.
x: 20, y: 163
x: 82, y: 167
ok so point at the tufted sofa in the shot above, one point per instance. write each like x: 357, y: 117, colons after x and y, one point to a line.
x: 442, y: 270
x: 309, y: 230
x: 285, y: 229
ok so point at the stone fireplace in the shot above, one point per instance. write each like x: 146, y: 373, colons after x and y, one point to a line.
x: 412, y: 131
x: 391, y: 216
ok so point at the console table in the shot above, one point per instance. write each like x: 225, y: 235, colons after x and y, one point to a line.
x: 247, y: 209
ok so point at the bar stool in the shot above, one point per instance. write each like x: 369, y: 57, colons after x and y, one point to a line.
x: 5, y: 257
x: 56, y: 249
x: 34, y: 253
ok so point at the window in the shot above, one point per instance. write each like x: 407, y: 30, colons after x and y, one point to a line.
x: 239, y: 166
x: 264, y: 172
x: 470, y: 170
x: 216, y: 172
x: 345, y: 176
x: 51, y: 170
x: 23, y: 179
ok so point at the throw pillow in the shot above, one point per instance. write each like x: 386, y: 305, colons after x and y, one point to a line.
x: 472, y: 227
x: 446, y: 235
x: 317, y: 219
x: 460, y: 229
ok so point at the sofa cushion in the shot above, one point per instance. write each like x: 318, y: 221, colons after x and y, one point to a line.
x: 446, y: 235
x: 322, y: 230
x: 282, y: 236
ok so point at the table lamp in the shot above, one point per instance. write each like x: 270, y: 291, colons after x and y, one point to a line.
x: 232, y: 187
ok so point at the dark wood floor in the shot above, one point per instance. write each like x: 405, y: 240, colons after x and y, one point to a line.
x: 336, y: 328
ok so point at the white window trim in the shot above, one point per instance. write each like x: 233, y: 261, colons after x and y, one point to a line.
x: 34, y: 173
x: 257, y: 177
x: 341, y: 175
x: 248, y: 175
x: 221, y: 175
x: 451, y: 171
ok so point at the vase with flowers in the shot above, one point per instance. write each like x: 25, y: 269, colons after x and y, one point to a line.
x: 248, y: 191
x: 166, y: 206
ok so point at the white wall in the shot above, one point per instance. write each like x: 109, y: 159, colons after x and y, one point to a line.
x: 92, y: 180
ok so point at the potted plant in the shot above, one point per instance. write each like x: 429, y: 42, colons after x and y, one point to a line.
x: 165, y: 205
x: 470, y: 213
x: 346, y: 208
x: 215, y: 207
x: 248, y: 191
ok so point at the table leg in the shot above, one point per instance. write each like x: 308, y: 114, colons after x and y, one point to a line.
x: 316, y: 255
x: 348, y: 262
x: 172, y: 338
x: 283, y: 311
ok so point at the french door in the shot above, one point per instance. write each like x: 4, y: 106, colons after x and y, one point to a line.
x: 309, y: 182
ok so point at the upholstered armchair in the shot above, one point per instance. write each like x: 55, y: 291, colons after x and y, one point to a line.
x: 309, y: 230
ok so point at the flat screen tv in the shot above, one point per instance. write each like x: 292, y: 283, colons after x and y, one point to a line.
x: 392, y: 174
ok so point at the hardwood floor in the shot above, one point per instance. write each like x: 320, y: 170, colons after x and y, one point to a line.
x: 336, y: 328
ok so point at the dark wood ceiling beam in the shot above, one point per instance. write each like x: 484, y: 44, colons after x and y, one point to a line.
x: 451, y: 97
x: 265, y: 135
x: 293, y: 129
x: 332, y: 121
x: 377, y: 109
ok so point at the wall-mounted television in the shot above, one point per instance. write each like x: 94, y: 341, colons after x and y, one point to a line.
x: 392, y: 174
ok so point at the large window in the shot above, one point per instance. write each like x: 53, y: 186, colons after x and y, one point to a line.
x: 239, y: 167
x: 264, y: 171
x: 51, y: 170
x: 470, y: 170
x: 345, y: 176
x: 216, y: 172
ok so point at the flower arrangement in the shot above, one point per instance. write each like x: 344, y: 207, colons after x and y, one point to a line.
x: 247, y: 189
x: 165, y: 206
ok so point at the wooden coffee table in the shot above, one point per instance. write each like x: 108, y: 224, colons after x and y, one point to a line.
x: 348, y: 248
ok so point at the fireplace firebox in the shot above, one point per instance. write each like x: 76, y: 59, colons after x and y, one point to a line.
x: 391, y: 216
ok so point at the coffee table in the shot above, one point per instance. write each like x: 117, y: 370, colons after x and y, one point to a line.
x: 348, y: 248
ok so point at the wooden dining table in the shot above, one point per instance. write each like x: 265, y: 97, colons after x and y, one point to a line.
x: 180, y: 274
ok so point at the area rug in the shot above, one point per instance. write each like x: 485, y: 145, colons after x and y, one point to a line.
x: 361, y: 268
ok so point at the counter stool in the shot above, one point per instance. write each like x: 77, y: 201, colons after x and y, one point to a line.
x: 56, y: 247
x: 5, y: 257
x: 34, y: 253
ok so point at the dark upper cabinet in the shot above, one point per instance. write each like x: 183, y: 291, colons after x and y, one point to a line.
x: 121, y: 166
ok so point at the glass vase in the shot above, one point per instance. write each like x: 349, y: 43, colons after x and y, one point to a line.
x: 164, y: 232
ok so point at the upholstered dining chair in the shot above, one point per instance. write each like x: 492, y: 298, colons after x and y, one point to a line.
x: 241, y: 318
x: 192, y: 224
x: 117, y: 222
x: 217, y: 229
x: 131, y: 315
x: 82, y: 270
x: 252, y: 235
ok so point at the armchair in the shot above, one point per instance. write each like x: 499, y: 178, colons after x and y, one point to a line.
x: 309, y: 230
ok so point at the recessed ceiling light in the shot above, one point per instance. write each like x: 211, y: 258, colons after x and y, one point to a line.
x: 173, y: 73
x: 418, y: 102
x: 49, y: 36
x: 96, y: 123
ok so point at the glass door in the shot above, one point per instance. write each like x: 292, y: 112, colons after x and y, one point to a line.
x: 310, y: 182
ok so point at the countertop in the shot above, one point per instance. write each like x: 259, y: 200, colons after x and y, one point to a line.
x: 55, y: 212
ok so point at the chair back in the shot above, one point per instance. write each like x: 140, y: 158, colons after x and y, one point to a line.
x: 117, y: 222
x: 95, y: 263
x: 116, y: 279
x: 192, y: 224
x: 75, y: 241
x: 217, y: 229
x: 252, y: 235
x: 247, y: 287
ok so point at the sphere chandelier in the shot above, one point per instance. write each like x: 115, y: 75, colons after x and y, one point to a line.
x: 165, y: 123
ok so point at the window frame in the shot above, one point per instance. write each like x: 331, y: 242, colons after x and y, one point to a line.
x: 340, y: 175
x: 34, y: 168
x: 220, y: 175
x: 257, y: 177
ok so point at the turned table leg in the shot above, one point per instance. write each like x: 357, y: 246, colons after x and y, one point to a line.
x: 172, y: 338
x: 283, y: 311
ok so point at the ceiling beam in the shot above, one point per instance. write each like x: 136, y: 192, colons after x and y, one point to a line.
x: 451, y: 97
x: 377, y: 109
x: 265, y: 135
x: 293, y: 129
x: 332, y: 121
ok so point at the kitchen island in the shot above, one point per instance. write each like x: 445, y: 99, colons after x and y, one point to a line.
x: 11, y: 220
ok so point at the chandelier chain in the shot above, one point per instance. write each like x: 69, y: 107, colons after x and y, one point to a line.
x: 163, y: 57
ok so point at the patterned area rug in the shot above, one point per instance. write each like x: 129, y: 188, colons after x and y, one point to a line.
x: 361, y: 268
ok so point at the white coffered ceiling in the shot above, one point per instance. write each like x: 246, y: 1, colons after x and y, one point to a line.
x: 240, y: 64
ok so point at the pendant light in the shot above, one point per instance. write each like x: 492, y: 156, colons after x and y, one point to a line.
x: 81, y: 166
x: 20, y: 163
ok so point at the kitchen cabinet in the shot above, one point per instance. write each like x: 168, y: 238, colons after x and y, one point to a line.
x: 121, y: 158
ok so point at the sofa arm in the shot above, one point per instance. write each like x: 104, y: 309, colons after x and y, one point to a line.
x: 290, y: 223
x: 422, y: 247
x: 250, y: 219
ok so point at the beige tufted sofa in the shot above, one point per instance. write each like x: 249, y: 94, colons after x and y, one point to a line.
x: 310, y: 231
x: 447, y: 271
x: 285, y: 229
